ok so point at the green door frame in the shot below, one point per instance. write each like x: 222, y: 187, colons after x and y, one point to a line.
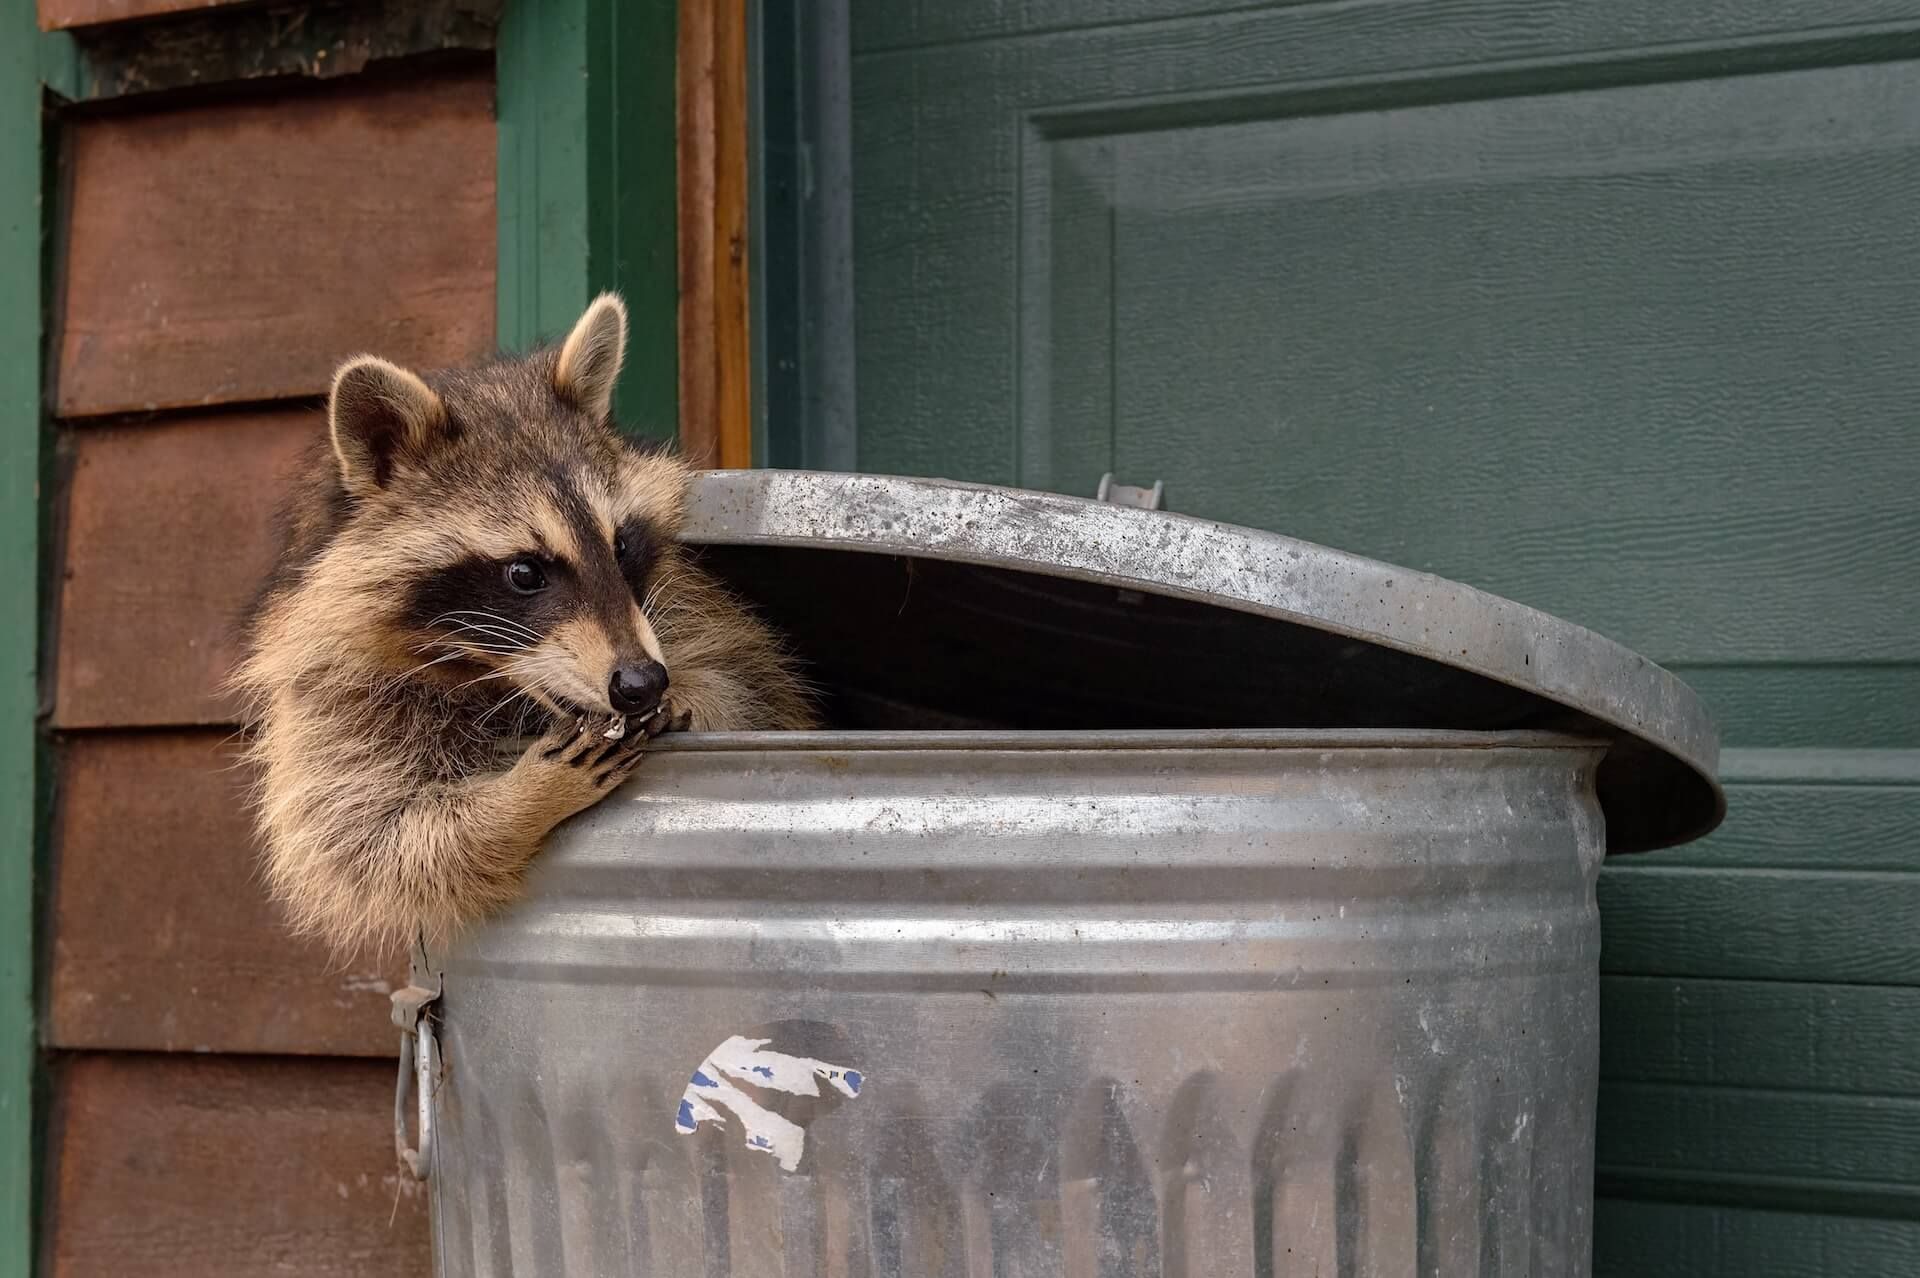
x: 20, y: 466
x: 800, y: 154
x: 587, y: 184
x: 587, y: 201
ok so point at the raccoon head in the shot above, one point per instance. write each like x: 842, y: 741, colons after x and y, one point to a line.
x: 498, y: 534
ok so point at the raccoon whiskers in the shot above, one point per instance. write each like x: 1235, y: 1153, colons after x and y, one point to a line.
x: 491, y: 618
x: 662, y: 582
x: 489, y: 622
x: 502, y: 704
x: 509, y: 671
x: 492, y: 639
x: 382, y: 686
x: 518, y: 671
x: 384, y: 811
x: 549, y: 675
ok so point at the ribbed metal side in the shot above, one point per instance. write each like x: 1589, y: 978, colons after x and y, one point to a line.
x: 1260, y: 1004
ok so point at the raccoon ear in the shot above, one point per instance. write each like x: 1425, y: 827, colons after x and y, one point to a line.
x: 380, y: 414
x: 590, y: 360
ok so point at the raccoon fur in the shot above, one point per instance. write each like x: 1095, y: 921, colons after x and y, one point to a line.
x: 474, y: 557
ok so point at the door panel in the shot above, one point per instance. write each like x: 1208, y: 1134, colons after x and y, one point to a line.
x: 1612, y: 309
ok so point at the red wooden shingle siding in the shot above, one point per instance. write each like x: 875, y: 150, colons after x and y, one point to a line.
x: 221, y: 258
x: 167, y: 538
x: 230, y: 1167
x: 57, y: 15
x: 238, y: 251
x: 162, y: 939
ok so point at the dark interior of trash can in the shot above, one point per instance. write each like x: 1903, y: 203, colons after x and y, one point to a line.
x: 904, y: 643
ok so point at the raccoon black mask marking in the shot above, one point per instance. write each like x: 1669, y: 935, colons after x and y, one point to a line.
x: 476, y: 556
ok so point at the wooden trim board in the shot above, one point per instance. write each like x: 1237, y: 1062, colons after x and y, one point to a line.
x: 20, y: 514
x: 716, y: 426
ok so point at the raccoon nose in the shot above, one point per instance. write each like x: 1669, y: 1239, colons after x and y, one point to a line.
x: 638, y: 689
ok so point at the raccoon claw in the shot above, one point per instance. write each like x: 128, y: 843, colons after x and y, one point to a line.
x: 627, y: 743
x: 617, y: 773
x: 607, y: 758
x: 668, y: 719
x: 584, y: 745
x: 617, y: 761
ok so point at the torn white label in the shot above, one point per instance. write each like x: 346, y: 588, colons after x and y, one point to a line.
x: 709, y: 1092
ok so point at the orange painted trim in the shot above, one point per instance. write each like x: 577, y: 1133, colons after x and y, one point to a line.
x: 716, y: 423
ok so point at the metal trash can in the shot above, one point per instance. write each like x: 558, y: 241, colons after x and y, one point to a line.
x: 1170, y: 899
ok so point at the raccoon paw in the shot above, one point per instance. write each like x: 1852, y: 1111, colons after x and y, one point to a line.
x: 584, y: 752
x: 617, y: 762
x: 571, y: 745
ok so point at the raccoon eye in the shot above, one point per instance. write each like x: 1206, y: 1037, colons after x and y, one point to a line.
x: 525, y: 576
x: 620, y: 545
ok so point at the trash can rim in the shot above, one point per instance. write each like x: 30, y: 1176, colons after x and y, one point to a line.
x: 1278, y: 739
x: 1672, y: 788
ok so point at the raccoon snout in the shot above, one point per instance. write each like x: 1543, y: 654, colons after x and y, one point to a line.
x: 638, y: 689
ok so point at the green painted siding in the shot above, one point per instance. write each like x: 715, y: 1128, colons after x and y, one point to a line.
x: 587, y: 197
x: 20, y: 424
x: 1611, y: 309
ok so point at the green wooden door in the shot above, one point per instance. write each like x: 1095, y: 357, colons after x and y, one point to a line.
x: 1611, y: 309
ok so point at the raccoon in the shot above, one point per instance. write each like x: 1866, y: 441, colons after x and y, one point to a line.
x: 474, y: 557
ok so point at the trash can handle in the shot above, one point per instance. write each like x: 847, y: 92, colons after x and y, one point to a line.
x: 417, y: 1052
x: 1128, y: 495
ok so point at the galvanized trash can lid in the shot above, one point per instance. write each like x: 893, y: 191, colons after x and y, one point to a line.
x: 931, y: 604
